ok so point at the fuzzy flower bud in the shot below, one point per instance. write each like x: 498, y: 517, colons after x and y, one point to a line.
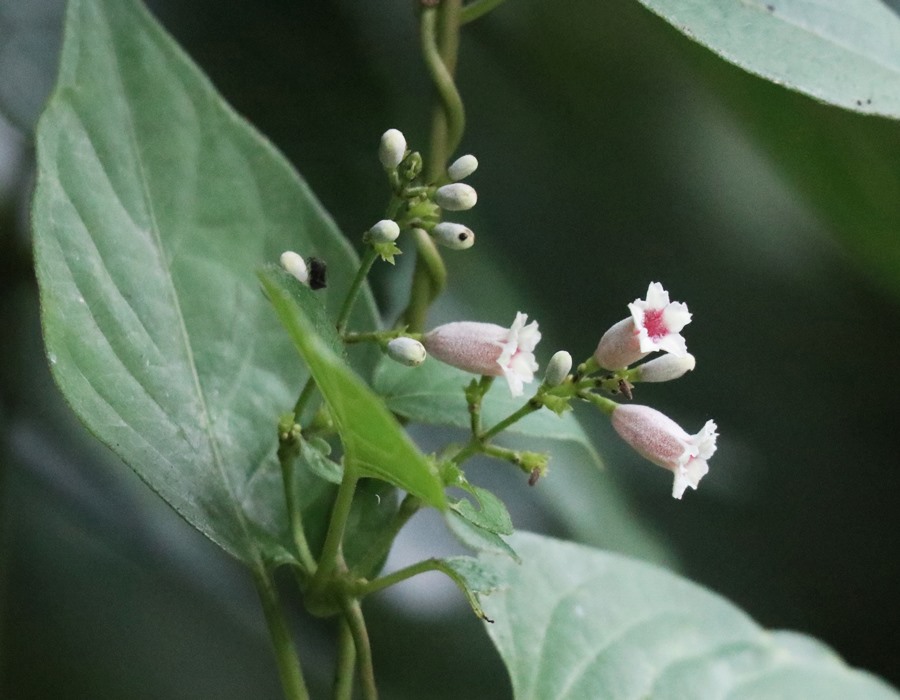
x: 655, y: 324
x: 392, y: 148
x: 455, y: 236
x: 489, y: 349
x: 664, y: 368
x: 295, y: 265
x: 658, y: 438
x: 456, y: 197
x: 385, y: 231
x: 406, y: 351
x: 462, y: 167
x: 558, y: 368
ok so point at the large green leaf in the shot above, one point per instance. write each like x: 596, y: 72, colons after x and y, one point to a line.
x: 577, y: 623
x: 432, y: 393
x: 846, y: 53
x: 154, y: 204
x: 374, y: 442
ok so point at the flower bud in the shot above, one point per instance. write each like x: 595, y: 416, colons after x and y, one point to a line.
x: 664, y: 368
x: 462, y: 167
x: 488, y: 349
x: 619, y: 346
x: 456, y: 197
x: 385, y: 231
x: 406, y: 351
x: 392, y: 148
x: 658, y: 438
x: 558, y: 368
x: 295, y: 265
x: 410, y: 167
x: 455, y: 236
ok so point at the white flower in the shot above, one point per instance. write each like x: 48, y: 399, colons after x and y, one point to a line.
x: 658, y: 438
x: 454, y: 236
x: 457, y: 196
x: 392, y: 148
x: 659, y: 321
x: 295, y: 265
x: 406, y: 351
x: 462, y: 167
x: 655, y: 324
x: 489, y: 349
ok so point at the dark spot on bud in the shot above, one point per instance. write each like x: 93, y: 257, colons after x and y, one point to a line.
x: 317, y: 273
x: 463, y: 236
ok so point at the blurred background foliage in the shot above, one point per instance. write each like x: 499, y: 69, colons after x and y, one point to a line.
x: 614, y: 152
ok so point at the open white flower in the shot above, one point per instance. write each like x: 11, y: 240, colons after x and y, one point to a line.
x: 655, y: 324
x: 658, y: 438
x: 489, y: 349
x: 659, y: 322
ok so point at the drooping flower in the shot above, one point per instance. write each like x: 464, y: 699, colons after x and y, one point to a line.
x: 655, y: 324
x: 661, y: 440
x: 488, y: 349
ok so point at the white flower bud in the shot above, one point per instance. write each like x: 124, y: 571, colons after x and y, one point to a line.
x: 456, y: 197
x: 558, y: 368
x: 462, y: 167
x: 406, y: 351
x: 455, y: 236
x: 664, y: 368
x: 385, y: 231
x: 392, y: 148
x: 295, y: 265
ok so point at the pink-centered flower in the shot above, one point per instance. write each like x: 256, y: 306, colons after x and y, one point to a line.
x: 658, y: 438
x: 488, y: 349
x: 655, y: 324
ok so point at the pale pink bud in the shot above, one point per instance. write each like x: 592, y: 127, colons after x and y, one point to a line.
x: 664, y: 368
x: 658, y: 438
x: 295, y: 265
x: 392, y: 148
x: 489, y: 349
x: 619, y: 346
x: 462, y: 167
x: 406, y: 351
x: 456, y: 197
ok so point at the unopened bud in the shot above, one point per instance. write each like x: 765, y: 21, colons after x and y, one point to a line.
x: 385, y: 231
x: 411, y: 166
x: 462, y: 167
x: 558, y: 368
x: 406, y: 351
x: 456, y: 197
x: 455, y: 236
x: 295, y: 265
x: 392, y: 148
x: 664, y: 368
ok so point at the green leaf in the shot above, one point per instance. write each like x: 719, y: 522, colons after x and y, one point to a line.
x: 576, y: 622
x: 478, y: 538
x: 844, y: 53
x: 314, y: 454
x: 374, y: 442
x: 374, y: 508
x: 491, y: 513
x: 474, y: 578
x: 434, y: 393
x: 154, y: 204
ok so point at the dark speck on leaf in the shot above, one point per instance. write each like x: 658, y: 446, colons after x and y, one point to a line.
x: 770, y: 8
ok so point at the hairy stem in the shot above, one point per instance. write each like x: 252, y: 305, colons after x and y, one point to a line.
x: 285, y: 654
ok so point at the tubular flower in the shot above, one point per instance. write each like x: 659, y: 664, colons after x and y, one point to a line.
x: 658, y: 438
x: 488, y: 349
x: 655, y: 324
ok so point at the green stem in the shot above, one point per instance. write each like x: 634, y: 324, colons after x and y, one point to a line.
x: 305, y: 396
x: 287, y: 458
x: 476, y: 444
x: 331, y: 549
x: 285, y: 654
x: 346, y: 663
x: 477, y: 9
x: 429, y: 279
x: 357, y: 624
x: 398, y: 576
x: 365, y: 265
x: 379, y: 336
x: 382, y: 545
